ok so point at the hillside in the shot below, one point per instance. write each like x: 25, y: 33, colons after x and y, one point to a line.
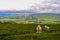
x: 34, y: 18
x: 28, y: 32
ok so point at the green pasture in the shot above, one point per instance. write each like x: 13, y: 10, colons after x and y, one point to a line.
x: 28, y: 32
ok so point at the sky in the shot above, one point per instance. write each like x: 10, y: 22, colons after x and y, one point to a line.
x: 35, y: 5
x: 16, y: 4
x: 47, y: 6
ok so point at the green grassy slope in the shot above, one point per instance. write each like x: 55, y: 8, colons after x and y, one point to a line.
x: 28, y: 32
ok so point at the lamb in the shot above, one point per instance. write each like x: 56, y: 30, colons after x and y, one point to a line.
x: 39, y: 29
x: 46, y: 28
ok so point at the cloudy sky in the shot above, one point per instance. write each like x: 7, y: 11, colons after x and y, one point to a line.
x: 36, y: 5
x: 47, y: 6
x: 16, y: 4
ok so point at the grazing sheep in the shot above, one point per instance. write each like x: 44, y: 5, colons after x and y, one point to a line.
x: 39, y: 29
x: 46, y: 28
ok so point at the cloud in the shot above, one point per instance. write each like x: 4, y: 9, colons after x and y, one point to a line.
x: 35, y: 5
x: 47, y: 6
x: 16, y: 4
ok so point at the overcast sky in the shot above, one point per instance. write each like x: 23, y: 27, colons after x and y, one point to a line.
x: 45, y: 5
x: 17, y: 4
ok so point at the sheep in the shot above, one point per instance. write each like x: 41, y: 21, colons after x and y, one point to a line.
x: 46, y: 28
x: 39, y: 29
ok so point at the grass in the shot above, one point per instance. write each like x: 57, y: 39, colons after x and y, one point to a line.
x: 28, y: 32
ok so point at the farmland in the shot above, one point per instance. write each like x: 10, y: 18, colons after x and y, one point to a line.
x: 28, y: 32
x: 24, y: 27
x: 33, y: 18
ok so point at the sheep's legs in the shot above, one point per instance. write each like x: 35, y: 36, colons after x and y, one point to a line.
x: 38, y: 31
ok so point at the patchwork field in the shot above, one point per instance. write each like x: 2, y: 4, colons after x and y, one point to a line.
x: 28, y: 32
x: 33, y: 18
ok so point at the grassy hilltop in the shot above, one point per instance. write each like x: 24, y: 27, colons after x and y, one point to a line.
x: 28, y: 32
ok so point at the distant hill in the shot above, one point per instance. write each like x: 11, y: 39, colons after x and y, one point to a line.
x: 41, y: 18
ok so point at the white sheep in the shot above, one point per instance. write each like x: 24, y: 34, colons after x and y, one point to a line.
x: 39, y: 29
x: 46, y: 28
